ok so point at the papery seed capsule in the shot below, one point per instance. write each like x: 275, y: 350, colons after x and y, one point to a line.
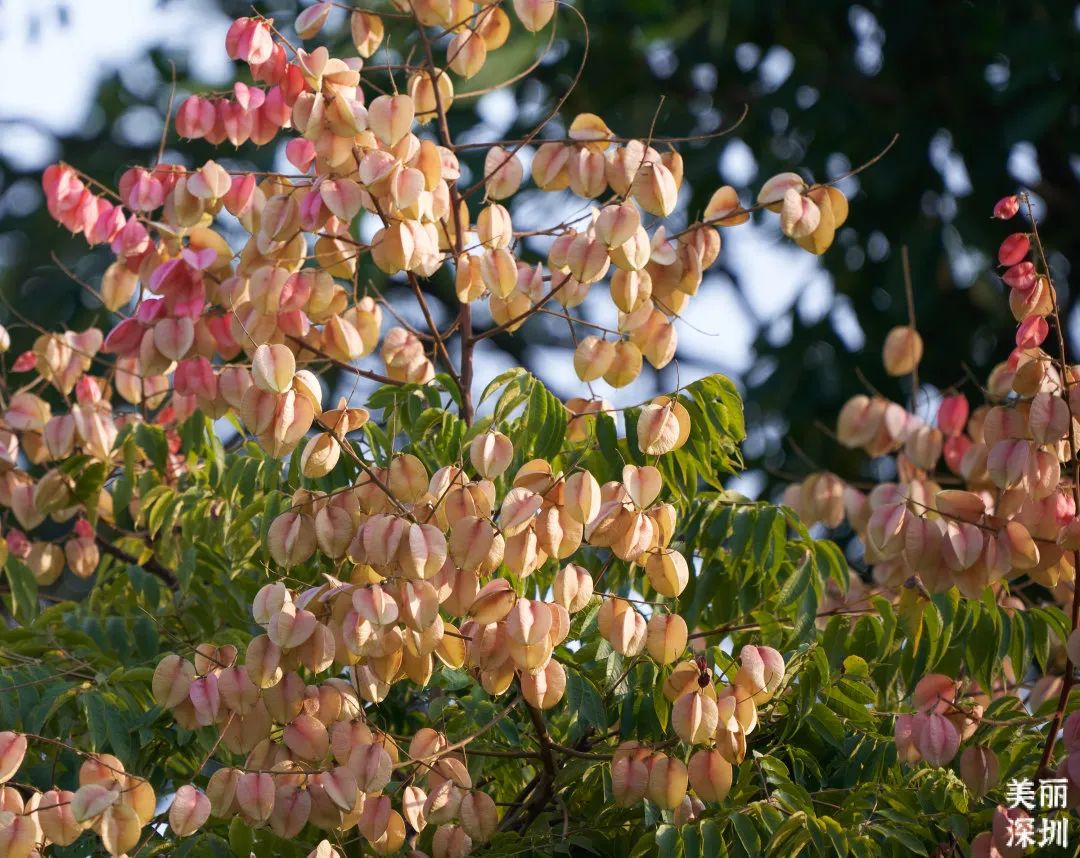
x: 479, y: 816
x: 667, y: 572
x: 534, y: 14
x: 772, y: 192
x: 666, y: 637
x: 172, y: 679
x: 503, y: 173
x: 390, y: 117
x: 56, y: 819
x: 629, y: 777
x: 593, y: 357
x: 668, y: 780
x: 493, y: 602
x: 761, y: 671
x: 12, y: 753
x: 694, y: 718
x: 937, y: 739
x: 573, y: 587
x: 902, y: 351
x: 528, y: 622
x: 979, y: 769
x: 120, y: 829
x: 545, y: 688
x: 625, y: 364
x: 189, y: 811
x: 491, y: 454
x: 709, y: 775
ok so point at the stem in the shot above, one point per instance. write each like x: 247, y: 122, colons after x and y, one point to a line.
x: 152, y: 566
x: 1063, y: 368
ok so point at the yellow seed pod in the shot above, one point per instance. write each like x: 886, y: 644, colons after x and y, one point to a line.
x: 423, y: 94
x: 625, y: 364
x: 902, y: 351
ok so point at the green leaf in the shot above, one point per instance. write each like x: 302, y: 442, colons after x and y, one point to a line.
x: 23, y: 587
x: 668, y: 843
x: 747, y: 834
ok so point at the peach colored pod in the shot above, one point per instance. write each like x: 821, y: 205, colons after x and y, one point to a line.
x: 709, y: 775
x: 694, y: 717
x: 534, y: 14
x: 666, y: 637
x: 189, y: 811
x: 668, y: 780
x: 902, y: 351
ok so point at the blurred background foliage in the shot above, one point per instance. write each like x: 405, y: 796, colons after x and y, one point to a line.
x: 984, y: 97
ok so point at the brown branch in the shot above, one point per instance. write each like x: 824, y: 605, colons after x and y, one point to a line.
x: 152, y: 565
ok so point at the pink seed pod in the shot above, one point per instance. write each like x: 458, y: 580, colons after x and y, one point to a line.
x: 694, y: 717
x: 249, y: 40
x: 390, y: 117
x: 290, y: 626
x: 937, y: 738
x: 12, y: 753
x: 443, y: 802
x: 629, y: 775
x: 773, y: 192
x: 544, y: 689
x: 979, y: 769
x: 221, y: 790
x: 934, y: 693
x: 91, y: 800
x: 189, y: 811
x: 655, y: 189
x: 761, y: 671
x: 667, y: 572
x: 689, y: 810
x: 422, y: 551
x: 534, y: 14
x: 1014, y: 249
x: 617, y: 224
x: 479, y: 816
x: 668, y: 781
x: 1032, y: 332
x: 172, y: 679
x: 903, y: 351
x: 573, y: 587
x: 1020, y: 277
x: 952, y: 414
x: 372, y: 766
x: 255, y: 793
x: 291, y: 538
x: 56, y: 819
x: 306, y: 737
x: 493, y: 602
x: 905, y: 737
x: 262, y: 662
x: 710, y: 775
x: 528, y: 622
x: 1007, y: 207
x: 503, y: 173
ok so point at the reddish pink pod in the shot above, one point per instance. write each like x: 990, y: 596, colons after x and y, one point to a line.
x: 1014, y: 249
x: 952, y: 414
x: 1020, y: 277
x: 1007, y: 207
x: 1032, y: 332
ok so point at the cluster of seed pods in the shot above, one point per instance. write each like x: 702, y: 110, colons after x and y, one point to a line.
x: 715, y: 722
x: 114, y: 804
x: 223, y: 331
x: 1014, y: 515
x: 206, y: 327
